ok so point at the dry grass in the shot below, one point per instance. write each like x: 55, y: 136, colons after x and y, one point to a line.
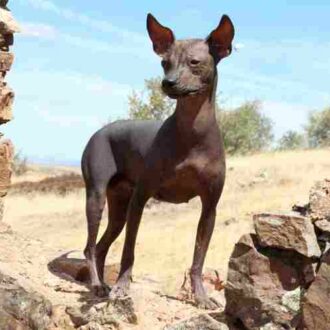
x: 266, y: 182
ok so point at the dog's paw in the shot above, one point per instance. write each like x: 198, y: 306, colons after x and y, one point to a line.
x: 119, y: 290
x: 205, y: 302
x: 101, y: 291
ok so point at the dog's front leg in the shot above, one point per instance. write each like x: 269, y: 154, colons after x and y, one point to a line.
x: 134, y: 215
x: 204, y: 233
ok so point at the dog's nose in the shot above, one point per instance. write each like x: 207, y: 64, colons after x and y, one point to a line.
x: 168, y: 83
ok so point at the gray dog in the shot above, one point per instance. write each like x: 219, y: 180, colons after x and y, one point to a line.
x: 128, y: 162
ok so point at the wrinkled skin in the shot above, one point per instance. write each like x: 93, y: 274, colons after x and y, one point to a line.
x: 128, y: 162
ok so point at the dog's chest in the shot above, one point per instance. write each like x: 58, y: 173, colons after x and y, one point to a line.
x: 183, y: 182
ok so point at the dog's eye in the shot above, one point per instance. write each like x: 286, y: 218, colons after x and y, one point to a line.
x: 194, y: 62
x: 165, y: 64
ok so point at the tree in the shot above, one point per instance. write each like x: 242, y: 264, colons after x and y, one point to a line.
x: 245, y: 129
x: 291, y: 140
x: 156, y: 105
x: 318, y: 128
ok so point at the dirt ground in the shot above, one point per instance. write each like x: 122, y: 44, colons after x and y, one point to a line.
x: 48, y: 222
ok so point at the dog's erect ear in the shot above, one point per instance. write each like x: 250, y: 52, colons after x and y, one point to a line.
x: 162, y: 37
x: 220, y: 39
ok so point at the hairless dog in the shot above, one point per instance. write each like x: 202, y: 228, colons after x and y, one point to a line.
x: 127, y: 162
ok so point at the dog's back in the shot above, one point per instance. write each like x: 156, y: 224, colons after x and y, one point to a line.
x: 126, y: 142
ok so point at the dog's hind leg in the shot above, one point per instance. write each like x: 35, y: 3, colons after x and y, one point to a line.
x: 118, y: 205
x: 94, y: 208
x: 98, y: 167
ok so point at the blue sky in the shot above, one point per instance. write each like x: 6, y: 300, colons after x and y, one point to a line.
x: 77, y: 61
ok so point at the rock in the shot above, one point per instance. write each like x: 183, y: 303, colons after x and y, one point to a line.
x: 60, y: 319
x: 6, y: 61
x: 29, y: 309
x: 323, y: 225
x: 3, y: 3
x: 6, y: 156
x: 78, y: 316
x: 322, y: 228
x: 319, y: 200
x: 124, y: 308
x: 199, y: 322
x: 7, y: 22
x: 316, y: 301
x: 6, y: 102
x: 6, y: 40
x: 108, y: 315
x: 9, y: 322
x: 289, y: 232
x: 263, y: 290
x: 301, y: 209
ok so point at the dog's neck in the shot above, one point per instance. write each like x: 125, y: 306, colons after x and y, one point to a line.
x: 194, y: 115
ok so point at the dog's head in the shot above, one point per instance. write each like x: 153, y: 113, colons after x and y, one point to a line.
x: 189, y: 65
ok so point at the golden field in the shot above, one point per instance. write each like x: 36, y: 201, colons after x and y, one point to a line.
x: 257, y: 183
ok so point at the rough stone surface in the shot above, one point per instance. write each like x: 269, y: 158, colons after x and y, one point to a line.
x: 7, y: 22
x: 6, y: 102
x: 3, y: 3
x: 107, y: 315
x: 8, y: 26
x: 6, y: 40
x: 6, y: 61
x: 21, y: 308
x: 263, y: 286
x: 289, y: 232
x: 323, y: 226
x: 319, y: 200
x: 316, y: 301
x: 25, y: 309
x: 6, y: 156
x: 199, y: 322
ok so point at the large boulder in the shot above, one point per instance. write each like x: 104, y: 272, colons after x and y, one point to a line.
x: 264, y: 286
x: 316, y: 301
x: 288, y: 232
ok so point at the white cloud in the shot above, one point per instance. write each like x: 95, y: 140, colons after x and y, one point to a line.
x: 238, y: 46
x: 38, y: 30
x: 68, y: 120
x: 95, y: 45
x: 98, y: 85
x: 88, y: 21
x: 50, y: 32
x: 286, y: 116
x: 133, y: 43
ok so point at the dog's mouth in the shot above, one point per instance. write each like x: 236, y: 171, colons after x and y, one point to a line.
x: 177, y: 93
